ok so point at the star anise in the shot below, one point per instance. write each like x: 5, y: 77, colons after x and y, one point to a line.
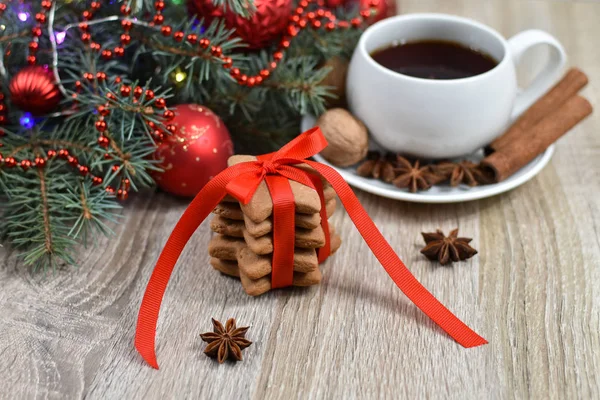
x: 414, y: 177
x: 447, y: 248
x: 462, y: 172
x: 378, y: 167
x: 226, y: 342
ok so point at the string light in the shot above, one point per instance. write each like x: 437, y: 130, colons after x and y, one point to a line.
x: 60, y: 37
x: 27, y: 120
x: 180, y: 76
x: 23, y: 16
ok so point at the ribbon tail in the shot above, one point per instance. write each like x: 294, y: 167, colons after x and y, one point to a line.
x: 197, y: 211
x: 399, y: 273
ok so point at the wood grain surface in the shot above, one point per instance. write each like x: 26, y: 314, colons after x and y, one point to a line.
x: 533, y: 291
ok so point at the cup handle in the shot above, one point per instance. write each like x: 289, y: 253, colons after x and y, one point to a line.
x: 519, y: 45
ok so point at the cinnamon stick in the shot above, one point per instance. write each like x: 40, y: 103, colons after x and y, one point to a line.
x: 573, y: 81
x: 521, y: 150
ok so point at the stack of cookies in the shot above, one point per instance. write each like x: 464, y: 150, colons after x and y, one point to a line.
x: 243, y: 244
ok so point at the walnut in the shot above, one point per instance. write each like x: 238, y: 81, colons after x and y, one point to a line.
x: 347, y: 136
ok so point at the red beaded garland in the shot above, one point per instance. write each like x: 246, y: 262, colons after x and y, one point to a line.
x: 137, y: 92
x: 101, y: 125
x: 10, y: 162
x: 192, y: 38
x: 158, y: 19
x: 25, y: 164
x: 165, y: 30
x: 168, y: 115
x: 125, y: 90
x: 103, y: 141
x: 40, y: 162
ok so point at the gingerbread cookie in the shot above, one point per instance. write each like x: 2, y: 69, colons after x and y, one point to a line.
x: 305, y: 239
x: 225, y: 247
x: 255, y: 266
x: 227, y: 227
x: 226, y: 267
x: 301, y: 220
x: 229, y: 210
x: 255, y: 270
x: 234, y: 228
x: 256, y: 287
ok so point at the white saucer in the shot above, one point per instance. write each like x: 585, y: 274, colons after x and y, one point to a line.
x: 438, y: 193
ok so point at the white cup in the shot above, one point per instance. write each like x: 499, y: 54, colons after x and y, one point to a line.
x: 444, y: 118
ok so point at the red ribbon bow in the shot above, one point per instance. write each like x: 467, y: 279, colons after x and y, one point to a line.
x: 241, y: 181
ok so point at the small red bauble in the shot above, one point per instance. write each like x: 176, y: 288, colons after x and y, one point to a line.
x: 103, y: 141
x: 101, y: 125
x: 10, y: 162
x: 195, y: 154
x: 267, y: 23
x: 34, y: 89
x: 40, y: 162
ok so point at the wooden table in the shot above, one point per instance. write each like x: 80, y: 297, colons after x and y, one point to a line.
x: 533, y: 291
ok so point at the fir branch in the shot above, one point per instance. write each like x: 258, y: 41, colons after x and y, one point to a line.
x: 35, y: 220
x: 95, y: 205
x: 49, y: 247
x: 298, y: 80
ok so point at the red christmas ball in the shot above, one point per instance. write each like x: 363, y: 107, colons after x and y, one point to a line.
x: 196, y: 153
x: 266, y: 24
x: 34, y: 89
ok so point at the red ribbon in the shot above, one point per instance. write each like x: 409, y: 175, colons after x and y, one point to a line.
x: 241, y: 181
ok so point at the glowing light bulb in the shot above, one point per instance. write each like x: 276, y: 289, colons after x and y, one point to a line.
x: 23, y: 16
x: 27, y: 120
x: 180, y: 76
x: 60, y: 37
